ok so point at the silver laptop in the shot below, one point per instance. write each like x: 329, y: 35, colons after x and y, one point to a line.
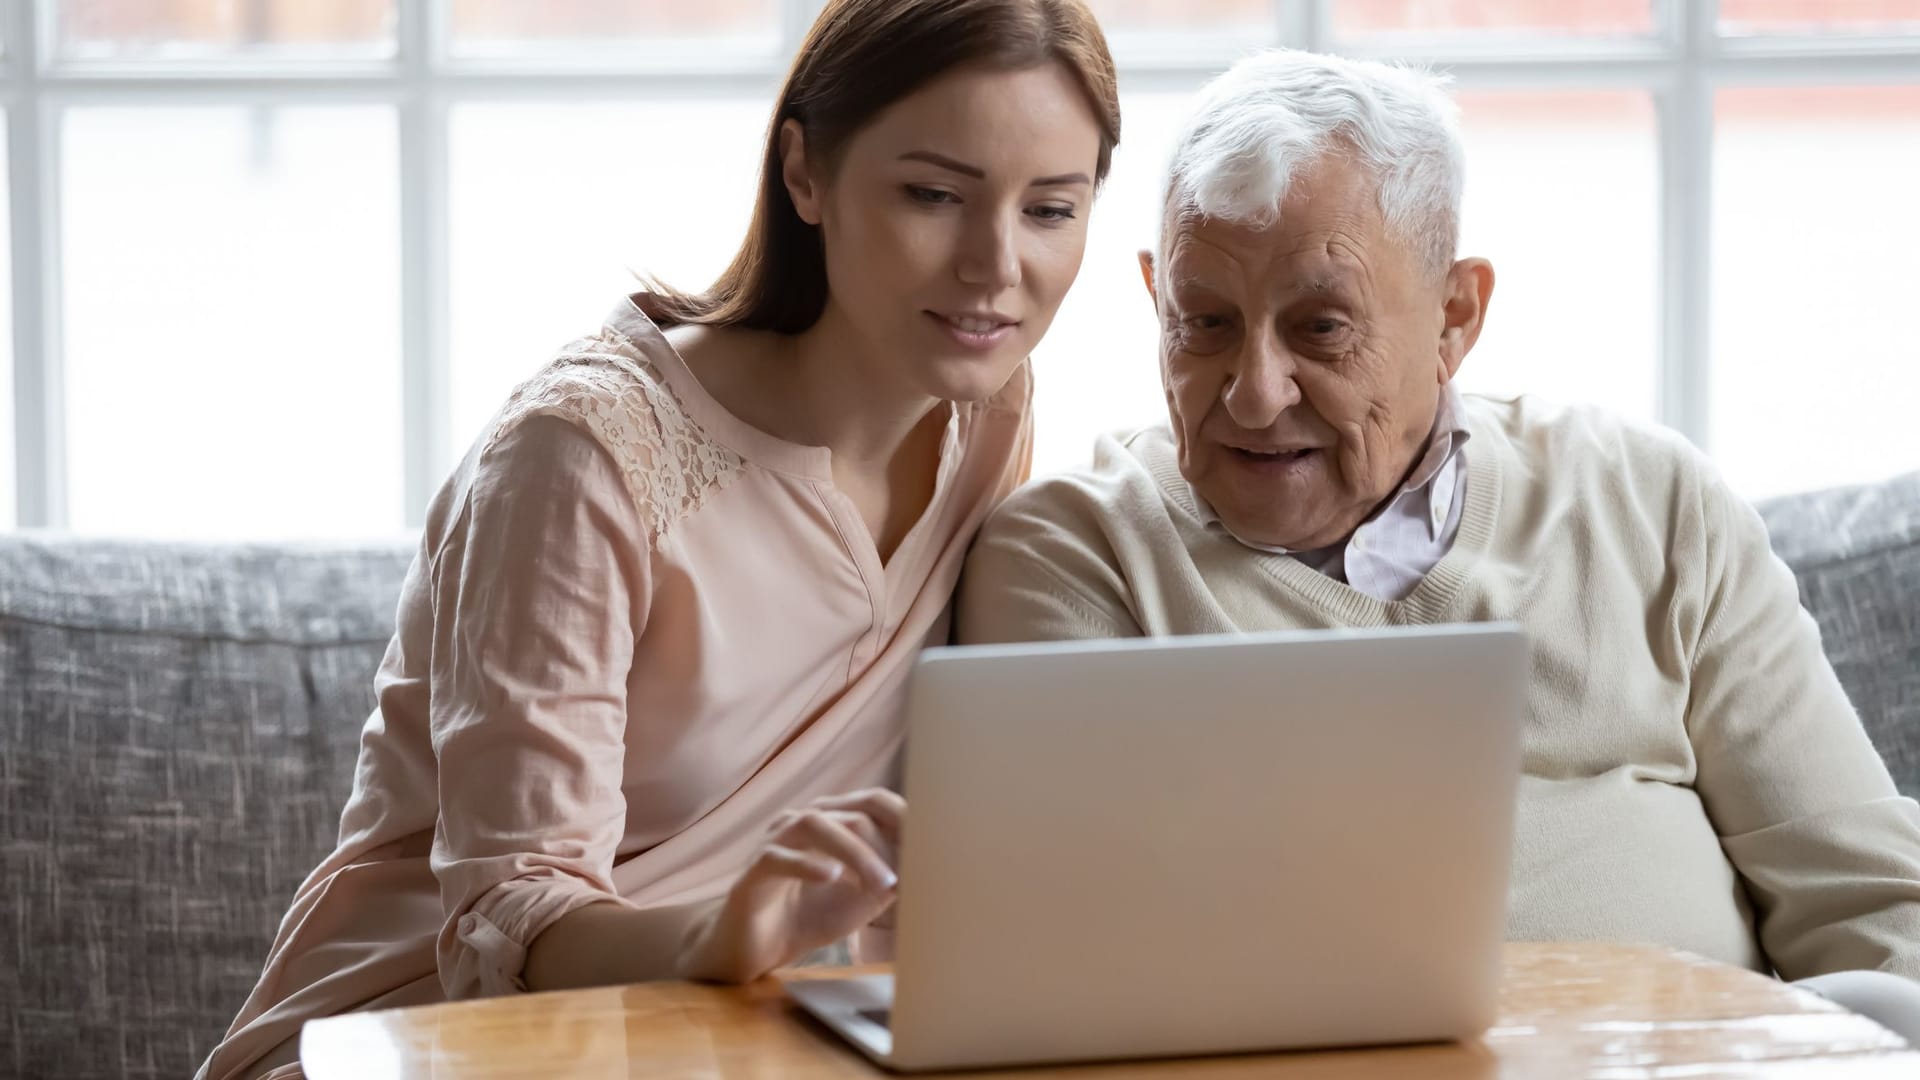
x: 1206, y: 845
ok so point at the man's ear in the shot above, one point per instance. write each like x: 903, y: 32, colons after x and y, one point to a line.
x: 1146, y: 275
x: 1469, y: 288
x: 796, y: 173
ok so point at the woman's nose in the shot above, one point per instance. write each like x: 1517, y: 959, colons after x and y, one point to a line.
x: 989, y: 252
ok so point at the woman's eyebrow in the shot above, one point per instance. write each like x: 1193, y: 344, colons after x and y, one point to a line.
x: 977, y: 173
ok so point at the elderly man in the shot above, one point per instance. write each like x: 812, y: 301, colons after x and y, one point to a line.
x: 1694, y: 774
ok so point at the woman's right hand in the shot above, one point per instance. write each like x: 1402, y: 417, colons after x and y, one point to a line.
x: 822, y: 873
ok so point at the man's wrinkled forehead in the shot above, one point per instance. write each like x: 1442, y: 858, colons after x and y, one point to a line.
x: 1209, y: 253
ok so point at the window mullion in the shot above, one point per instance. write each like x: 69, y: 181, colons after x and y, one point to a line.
x: 34, y: 208
x: 1686, y: 232
x: 1317, y: 31
x: 426, y: 386
x: 796, y: 16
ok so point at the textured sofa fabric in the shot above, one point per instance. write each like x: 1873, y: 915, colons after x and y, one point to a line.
x: 1856, y: 554
x: 178, y: 728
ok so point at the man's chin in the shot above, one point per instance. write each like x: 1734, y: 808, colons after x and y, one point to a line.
x: 1261, y: 530
x: 1270, y: 516
x: 1265, y: 539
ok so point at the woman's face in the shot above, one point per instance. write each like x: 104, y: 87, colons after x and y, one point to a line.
x: 954, y: 223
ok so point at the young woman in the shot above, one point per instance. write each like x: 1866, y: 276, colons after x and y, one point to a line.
x: 641, y: 706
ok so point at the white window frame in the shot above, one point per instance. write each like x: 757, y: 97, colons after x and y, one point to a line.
x: 1680, y: 65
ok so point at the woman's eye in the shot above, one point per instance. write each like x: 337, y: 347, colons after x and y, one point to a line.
x: 930, y: 196
x: 1323, y: 328
x: 1053, y: 213
x: 1206, y: 322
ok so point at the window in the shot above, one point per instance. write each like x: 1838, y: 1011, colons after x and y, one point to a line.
x: 1143, y: 28
x: 269, y: 31
x: 707, y: 30
x: 1356, y: 20
x: 1838, y: 17
x: 1563, y: 196
x: 525, y: 282
x: 232, y: 320
x: 1816, y: 201
x: 276, y: 262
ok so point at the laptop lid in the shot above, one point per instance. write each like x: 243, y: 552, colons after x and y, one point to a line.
x: 1204, y: 845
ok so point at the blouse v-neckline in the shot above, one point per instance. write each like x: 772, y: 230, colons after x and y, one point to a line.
x: 813, y: 464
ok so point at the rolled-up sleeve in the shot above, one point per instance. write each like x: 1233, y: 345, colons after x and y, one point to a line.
x: 541, y: 588
x: 1805, y: 809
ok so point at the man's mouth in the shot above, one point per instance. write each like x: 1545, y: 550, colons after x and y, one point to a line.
x: 1274, y: 456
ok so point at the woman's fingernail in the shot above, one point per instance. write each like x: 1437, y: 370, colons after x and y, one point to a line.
x: 891, y: 880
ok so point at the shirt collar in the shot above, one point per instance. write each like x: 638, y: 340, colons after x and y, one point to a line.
x: 1449, y: 434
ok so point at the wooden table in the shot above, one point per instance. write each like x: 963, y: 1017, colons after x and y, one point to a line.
x: 1591, y: 1011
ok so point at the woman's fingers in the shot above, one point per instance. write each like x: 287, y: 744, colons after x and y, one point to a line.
x: 841, y: 851
x: 869, y: 833
x: 827, y: 833
x: 778, y: 861
x: 887, y: 809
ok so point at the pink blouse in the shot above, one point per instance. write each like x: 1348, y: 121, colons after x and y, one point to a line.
x: 636, y: 630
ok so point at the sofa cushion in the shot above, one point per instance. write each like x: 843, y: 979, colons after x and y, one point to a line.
x: 1856, y: 553
x: 178, y: 727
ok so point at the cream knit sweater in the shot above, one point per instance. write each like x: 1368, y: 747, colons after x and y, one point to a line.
x: 1694, y: 774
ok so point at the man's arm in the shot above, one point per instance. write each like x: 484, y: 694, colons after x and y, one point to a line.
x: 1031, y: 576
x: 1804, y: 806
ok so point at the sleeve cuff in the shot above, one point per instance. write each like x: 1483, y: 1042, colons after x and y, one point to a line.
x: 485, y: 954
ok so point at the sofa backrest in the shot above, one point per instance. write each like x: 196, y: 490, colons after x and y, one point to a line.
x: 1856, y: 554
x: 178, y: 727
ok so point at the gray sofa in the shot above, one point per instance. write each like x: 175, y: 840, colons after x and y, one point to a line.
x: 178, y: 728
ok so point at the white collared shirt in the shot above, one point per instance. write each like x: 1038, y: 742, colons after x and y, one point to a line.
x: 1391, y: 551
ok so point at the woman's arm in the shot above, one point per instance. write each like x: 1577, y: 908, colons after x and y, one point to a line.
x: 539, y: 609
x: 608, y: 944
x: 540, y: 594
x: 823, y: 873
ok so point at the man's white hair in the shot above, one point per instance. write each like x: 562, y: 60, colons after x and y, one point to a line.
x: 1270, y: 116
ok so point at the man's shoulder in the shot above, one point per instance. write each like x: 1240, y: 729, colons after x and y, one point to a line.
x: 1563, y: 437
x: 1622, y: 472
x: 1118, y: 485
x: 1057, y: 558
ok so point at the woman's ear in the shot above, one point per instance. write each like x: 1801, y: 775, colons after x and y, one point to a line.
x: 797, y: 173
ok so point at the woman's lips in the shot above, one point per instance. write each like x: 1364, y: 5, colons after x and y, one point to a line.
x: 974, y: 332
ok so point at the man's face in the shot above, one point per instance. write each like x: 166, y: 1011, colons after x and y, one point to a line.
x: 1303, y: 361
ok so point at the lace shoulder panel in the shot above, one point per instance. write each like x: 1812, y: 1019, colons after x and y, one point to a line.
x: 605, y: 386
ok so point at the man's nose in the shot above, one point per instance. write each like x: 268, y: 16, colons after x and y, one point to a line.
x: 1261, y: 385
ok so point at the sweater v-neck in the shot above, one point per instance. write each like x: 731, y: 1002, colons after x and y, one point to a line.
x: 1429, y: 602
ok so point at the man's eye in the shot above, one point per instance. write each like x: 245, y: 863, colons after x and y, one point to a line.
x: 1324, y: 328
x: 1205, y: 322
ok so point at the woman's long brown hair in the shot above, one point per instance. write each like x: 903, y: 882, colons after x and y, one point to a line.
x: 860, y: 57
